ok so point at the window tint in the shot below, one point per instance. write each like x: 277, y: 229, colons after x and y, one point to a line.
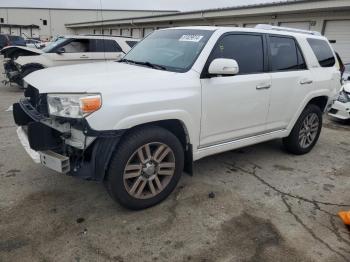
x: 131, y: 43
x: 105, y: 46
x: 285, y: 54
x: 77, y: 46
x: 247, y: 50
x: 323, y: 52
x: 16, y: 38
x: 3, y: 39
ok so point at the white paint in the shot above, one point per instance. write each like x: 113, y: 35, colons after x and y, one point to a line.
x: 25, y: 143
x: 219, y: 113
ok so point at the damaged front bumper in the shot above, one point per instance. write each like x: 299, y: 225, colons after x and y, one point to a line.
x: 64, y: 145
x: 12, y: 73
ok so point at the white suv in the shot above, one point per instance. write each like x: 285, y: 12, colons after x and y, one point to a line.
x: 67, y: 50
x: 181, y: 94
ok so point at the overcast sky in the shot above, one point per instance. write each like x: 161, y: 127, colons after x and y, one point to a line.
x: 182, y: 5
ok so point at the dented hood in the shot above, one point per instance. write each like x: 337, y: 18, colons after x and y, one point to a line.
x: 10, y: 51
x: 96, y: 77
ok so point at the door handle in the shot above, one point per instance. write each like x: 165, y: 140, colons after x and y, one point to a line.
x: 263, y: 86
x: 84, y: 56
x: 306, y: 81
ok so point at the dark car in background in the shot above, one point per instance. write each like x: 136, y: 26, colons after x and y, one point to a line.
x: 7, y: 40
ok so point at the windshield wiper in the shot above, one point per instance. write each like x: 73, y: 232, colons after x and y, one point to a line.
x: 148, y: 64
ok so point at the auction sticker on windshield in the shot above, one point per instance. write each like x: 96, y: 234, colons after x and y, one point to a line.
x: 191, y: 38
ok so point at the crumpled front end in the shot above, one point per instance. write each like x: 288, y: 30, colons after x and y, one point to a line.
x: 65, y: 145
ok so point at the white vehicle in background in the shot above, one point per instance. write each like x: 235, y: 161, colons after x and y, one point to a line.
x: 33, y: 43
x: 346, y: 75
x: 341, y: 107
x: 67, y: 50
x: 179, y: 95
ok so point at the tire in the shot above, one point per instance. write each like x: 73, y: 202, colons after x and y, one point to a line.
x: 144, y: 158
x: 305, y: 134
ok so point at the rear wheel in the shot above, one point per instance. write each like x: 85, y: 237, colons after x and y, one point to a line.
x: 306, y: 131
x: 145, y: 168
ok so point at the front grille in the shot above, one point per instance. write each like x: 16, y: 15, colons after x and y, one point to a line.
x: 37, y: 100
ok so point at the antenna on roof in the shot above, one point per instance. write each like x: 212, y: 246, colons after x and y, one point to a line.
x: 286, y: 29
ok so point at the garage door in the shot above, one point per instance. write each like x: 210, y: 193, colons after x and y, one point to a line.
x: 26, y: 33
x: 125, y: 32
x: 15, y: 31
x: 297, y: 25
x: 35, y: 33
x: 136, y: 33
x: 147, y: 31
x: 5, y: 30
x: 115, y: 31
x: 339, y: 32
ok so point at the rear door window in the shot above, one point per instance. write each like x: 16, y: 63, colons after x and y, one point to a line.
x: 323, y: 52
x: 77, y: 46
x: 285, y: 55
x: 109, y: 46
x: 246, y: 49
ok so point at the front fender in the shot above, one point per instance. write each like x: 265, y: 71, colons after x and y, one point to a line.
x: 144, y: 118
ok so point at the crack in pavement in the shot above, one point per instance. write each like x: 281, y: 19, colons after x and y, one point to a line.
x: 315, y: 203
x: 309, y: 230
x: 311, y: 201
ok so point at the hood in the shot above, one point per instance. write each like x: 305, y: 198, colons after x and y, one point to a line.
x: 96, y: 77
x: 12, y: 51
x: 346, y: 87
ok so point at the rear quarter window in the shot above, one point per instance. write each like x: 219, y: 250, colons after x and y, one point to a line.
x: 323, y: 52
x: 108, y: 46
x: 131, y: 43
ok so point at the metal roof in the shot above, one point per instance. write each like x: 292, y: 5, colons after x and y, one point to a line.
x: 209, y: 13
x: 237, y: 7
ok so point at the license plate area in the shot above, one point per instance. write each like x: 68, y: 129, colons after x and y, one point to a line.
x: 54, y: 161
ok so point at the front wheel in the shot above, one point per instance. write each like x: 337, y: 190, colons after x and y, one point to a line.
x: 145, y: 168
x: 306, y: 131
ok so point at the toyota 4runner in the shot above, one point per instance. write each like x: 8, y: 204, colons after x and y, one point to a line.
x: 181, y: 94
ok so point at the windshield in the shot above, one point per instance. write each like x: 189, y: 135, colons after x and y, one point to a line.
x: 174, y: 49
x: 54, y: 44
x: 15, y: 38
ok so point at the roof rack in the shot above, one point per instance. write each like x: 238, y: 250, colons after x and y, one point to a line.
x: 286, y: 29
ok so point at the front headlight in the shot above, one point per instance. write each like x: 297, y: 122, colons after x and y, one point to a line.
x: 343, y: 97
x: 73, y: 105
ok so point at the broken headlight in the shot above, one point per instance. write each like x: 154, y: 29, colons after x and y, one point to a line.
x: 73, y: 105
x: 343, y: 97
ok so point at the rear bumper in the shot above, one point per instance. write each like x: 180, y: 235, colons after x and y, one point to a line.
x: 52, y: 148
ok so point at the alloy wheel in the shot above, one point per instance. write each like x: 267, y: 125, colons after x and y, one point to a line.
x: 309, y: 130
x: 149, y: 170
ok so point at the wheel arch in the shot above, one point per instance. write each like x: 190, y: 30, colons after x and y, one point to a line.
x: 319, y: 99
x: 180, y: 130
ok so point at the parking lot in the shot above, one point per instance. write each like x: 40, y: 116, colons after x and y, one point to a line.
x: 254, y: 204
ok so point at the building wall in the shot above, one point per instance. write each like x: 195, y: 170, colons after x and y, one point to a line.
x: 316, y: 20
x: 57, y: 18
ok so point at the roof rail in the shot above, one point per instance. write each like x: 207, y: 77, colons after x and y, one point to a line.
x: 286, y: 29
x: 107, y: 35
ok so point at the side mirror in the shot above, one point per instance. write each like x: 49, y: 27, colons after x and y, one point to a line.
x: 348, y: 78
x: 223, y: 66
x: 60, y: 51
